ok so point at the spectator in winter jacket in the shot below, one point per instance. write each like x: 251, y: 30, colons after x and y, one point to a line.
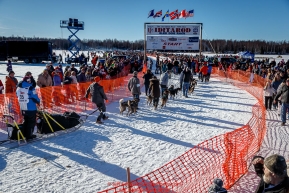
x: 44, y: 79
x: 10, y: 83
x: 9, y: 66
x: 59, y: 68
x: 1, y: 87
x: 204, y: 71
x: 210, y: 68
x: 73, y: 78
x: 176, y: 66
x: 275, y: 84
x: 185, y: 80
x: 164, y: 80
x: 72, y: 68
x: 268, y: 93
x: 134, y: 85
x: 273, y: 173
x: 165, y: 66
x: 50, y: 69
x: 81, y: 76
x: 28, y: 99
x: 95, y: 72
x: 88, y: 76
x: 67, y: 68
x: 67, y: 78
x: 147, y: 76
x: 56, y: 78
x: 284, y: 93
x: 94, y: 60
x: 98, y: 97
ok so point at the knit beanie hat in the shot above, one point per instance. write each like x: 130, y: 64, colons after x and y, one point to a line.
x: 97, y: 79
x: 276, y: 164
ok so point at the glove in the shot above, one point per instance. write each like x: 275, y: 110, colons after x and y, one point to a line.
x: 106, y: 101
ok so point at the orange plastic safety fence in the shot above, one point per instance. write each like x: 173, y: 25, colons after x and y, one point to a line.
x: 58, y: 99
x: 225, y: 156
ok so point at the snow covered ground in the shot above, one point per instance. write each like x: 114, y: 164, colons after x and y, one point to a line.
x: 95, y: 156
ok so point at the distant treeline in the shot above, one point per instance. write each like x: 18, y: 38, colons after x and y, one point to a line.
x: 215, y: 45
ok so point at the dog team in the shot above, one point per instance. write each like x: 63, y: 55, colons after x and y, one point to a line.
x: 156, y: 89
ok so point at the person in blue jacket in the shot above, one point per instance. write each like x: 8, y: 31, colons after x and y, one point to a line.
x: 28, y: 99
x: 275, y: 84
x: 210, y: 67
x: 56, y: 78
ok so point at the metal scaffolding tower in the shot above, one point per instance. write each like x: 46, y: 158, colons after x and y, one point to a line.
x: 73, y: 25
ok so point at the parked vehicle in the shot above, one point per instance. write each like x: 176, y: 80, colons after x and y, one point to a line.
x: 27, y: 51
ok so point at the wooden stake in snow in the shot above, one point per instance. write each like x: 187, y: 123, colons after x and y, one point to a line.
x: 128, y: 179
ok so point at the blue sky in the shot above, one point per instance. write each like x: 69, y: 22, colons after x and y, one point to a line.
x: 124, y: 20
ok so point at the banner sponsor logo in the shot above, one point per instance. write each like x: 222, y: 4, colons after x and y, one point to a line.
x: 181, y: 39
x: 173, y: 29
x: 172, y: 39
x: 172, y: 44
x: 195, y: 30
x: 193, y: 39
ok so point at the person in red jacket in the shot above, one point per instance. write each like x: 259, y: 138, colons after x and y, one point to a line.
x: 11, y: 83
x: 94, y: 60
x: 204, y: 71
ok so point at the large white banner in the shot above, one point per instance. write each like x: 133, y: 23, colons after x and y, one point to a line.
x: 173, y: 42
x: 173, y: 29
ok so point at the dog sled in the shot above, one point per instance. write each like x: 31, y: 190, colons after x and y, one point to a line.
x: 47, y: 124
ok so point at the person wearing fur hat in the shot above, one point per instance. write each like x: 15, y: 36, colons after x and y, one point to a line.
x: 97, y: 96
x: 28, y: 99
x: 217, y: 187
x: 273, y: 173
x: 134, y: 86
